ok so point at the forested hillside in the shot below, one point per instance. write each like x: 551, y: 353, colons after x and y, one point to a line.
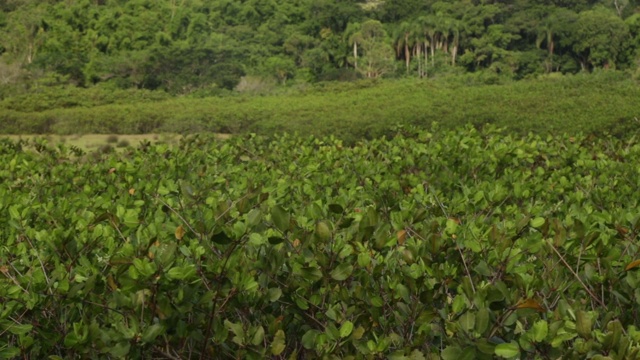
x: 183, y: 46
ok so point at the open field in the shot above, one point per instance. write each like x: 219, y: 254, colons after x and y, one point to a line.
x: 460, y: 244
x: 90, y: 142
x: 95, y: 141
x: 597, y: 103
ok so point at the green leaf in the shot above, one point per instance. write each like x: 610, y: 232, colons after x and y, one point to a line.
x: 323, y: 231
x: 311, y: 273
x: 278, y: 344
x: 221, y: 238
x: 345, y: 223
x: 467, y: 321
x: 416, y: 355
x: 537, y: 222
x: 274, y: 294
x: 131, y: 218
x: 364, y: 259
x: 485, y: 346
x: 120, y: 350
x: 14, y: 213
x: 523, y: 222
x: 342, y: 272
x: 377, y: 301
x: 239, y: 229
x: 473, y: 245
x: 258, y: 336
x: 397, y: 355
x: 332, y: 314
x: 9, y: 352
x: 482, y: 320
x: 336, y: 208
x: 583, y: 324
x: 253, y: 217
x: 451, y: 353
x: 71, y: 340
x: 275, y: 240
x: 186, y: 188
x: 237, y: 330
x: 309, y: 339
x: 402, y: 292
x: 332, y: 332
x: 468, y: 353
x: 459, y: 304
x: 165, y: 254
x: 152, y: 332
x: 181, y: 272
x: 539, y: 330
x: 144, y: 267
x: 560, y: 338
x: 507, y: 350
x: 281, y: 218
x: 346, y: 329
x: 451, y: 226
x: 358, y: 333
x: 19, y: 329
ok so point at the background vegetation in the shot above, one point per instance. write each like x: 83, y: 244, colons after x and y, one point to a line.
x: 187, y: 46
x: 139, y: 66
x: 597, y: 103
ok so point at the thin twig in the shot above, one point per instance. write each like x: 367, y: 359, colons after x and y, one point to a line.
x: 178, y: 215
x: 113, y: 223
x: 586, y: 288
x: 500, y: 321
x: 167, y: 354
x: 579, y: 256
x: 15, y: 321
x: 464, y: 261
x: 104, y: 307
x: 44, y: 271
x: 13, y: 279
x: 214, y: 309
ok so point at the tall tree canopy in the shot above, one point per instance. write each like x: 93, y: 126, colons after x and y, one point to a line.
x: 185, y: 45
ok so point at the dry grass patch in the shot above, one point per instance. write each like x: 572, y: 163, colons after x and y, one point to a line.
x: 89, y: 142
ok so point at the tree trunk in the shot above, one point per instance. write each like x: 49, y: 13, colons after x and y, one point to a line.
x: 418, y: 56
x: 407, y: 53
x: 355, y: 55
x: 619, y: 8
x: 454, y: 53
x: 550, y: 45
x: 433, y: 50
x: 426, y: 59
x: 30, y: 54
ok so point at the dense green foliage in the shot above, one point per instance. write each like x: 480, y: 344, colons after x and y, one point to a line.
x: 452, y: 245
x: 595, y: 103
x: 184, y: 46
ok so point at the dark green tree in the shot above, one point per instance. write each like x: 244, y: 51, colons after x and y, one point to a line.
x: 599, y: 37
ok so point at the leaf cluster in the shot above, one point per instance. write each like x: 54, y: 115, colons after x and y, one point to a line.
x: 460, y: 244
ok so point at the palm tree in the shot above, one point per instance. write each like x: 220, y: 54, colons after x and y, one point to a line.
x: 354, y: 36
x: 455, y: 27
x: 420, y: 45
x: 548, y: 30
x: 428, y: 27
x: 546, y: 33
x: 404, y: 42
